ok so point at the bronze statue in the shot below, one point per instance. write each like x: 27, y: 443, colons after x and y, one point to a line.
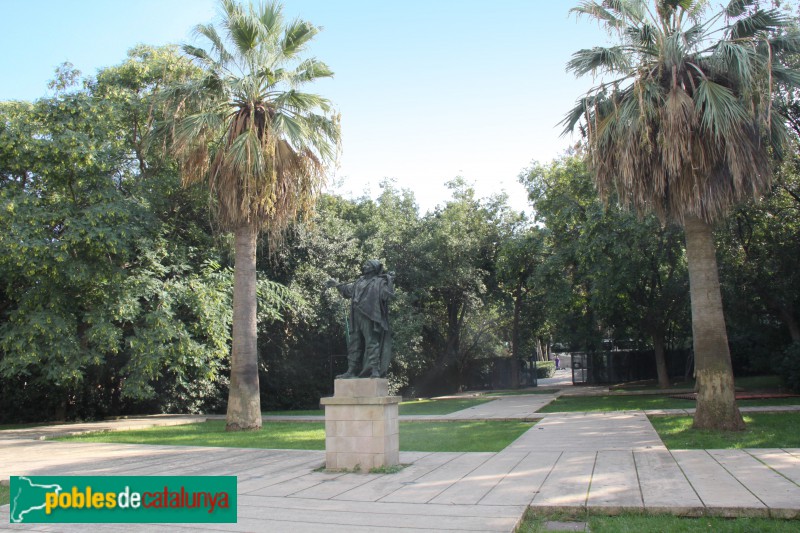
x: 369, y: 336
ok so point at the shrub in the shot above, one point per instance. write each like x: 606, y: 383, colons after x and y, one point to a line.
x: 790, y: 366
x: 545, y: 369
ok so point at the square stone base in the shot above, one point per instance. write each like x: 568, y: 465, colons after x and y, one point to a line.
x: 361, y: 425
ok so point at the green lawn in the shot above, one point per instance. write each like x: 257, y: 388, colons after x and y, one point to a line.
x: 747, y: 383
x: 411, y: 407
x: 297, y: 412
x: 764, y: 430
x: 614, y: 403
x: 641, y: 401
x: 521, y: 392
x: 17, y: 426
x: 760, y: 383
x: 636, y: 523
x: 439, y: 407
x: 4, y: 495
x: 468, y: 436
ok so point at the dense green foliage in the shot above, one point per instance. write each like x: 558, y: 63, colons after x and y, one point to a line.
x: 116, y: 285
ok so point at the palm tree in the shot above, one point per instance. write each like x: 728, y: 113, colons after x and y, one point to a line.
x: 685, y: 129
x: 262, y: 146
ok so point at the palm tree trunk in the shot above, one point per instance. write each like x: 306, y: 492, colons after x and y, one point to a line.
x: 716, y: 401
x: 244, y: 396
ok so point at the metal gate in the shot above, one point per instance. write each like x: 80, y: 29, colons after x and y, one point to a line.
x: 580, y: 372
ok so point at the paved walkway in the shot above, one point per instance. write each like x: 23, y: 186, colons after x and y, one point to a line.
x: 604, y: 461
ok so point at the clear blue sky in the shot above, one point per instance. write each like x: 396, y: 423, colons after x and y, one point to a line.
x: 428, y: 89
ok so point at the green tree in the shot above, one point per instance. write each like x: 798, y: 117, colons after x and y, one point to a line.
x: 519, y: 260
x: 685, y: 131
x: 100, y: 311
x: 453, y: 283
x: 625, y: 275
x: 758, y: 268
x: 262, y: 145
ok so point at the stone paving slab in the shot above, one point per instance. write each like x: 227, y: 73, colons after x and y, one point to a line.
x: 626, y: 430
x: 522, y: 484
x: 518, y: 407
x: 775, y: 491
x: 425, y: 488
x: 474, y: 486
x: 780, y: 461
x: 568, y: 482
x: 288, y: 494
x: 615, y: 482
x: 663, y: 485
x: 719, y: 490
x: 61, y: 430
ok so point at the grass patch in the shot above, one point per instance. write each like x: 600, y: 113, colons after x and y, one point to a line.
x: 277, y: 435
x: 764, y: 430
x: 297, y: 412
x: 468, y: 436
x: 760, y: 383
x: 635, y: 523
x: 643, y: 402
x: 393, y: 469
x: 747, y: 383
x: 522, y: 391
x: 614, y: 403
x: 5, y: 495
x: 767, y: 402
x: 26, y: 425
x: 439, y: 407
x: 411, y: 407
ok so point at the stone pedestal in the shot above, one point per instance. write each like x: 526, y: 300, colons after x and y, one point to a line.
x: 361, y: 425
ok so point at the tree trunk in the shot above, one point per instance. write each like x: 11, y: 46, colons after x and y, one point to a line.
x: 716, y: 400
x: 244, y: 396
x: 659, y: 346
x: 791, y: 322
x: 515, y: 358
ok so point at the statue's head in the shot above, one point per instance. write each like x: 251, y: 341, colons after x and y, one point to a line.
x: 371, y: 267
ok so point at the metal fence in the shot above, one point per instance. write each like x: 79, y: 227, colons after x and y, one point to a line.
x: 622, y: 366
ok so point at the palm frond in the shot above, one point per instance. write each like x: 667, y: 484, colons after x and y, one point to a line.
x: 263, y: 146
x: 613, y: 59
x: 298, y: 33
x: 737, y: 8
x: 721, y: 111
x: 271, y: 17
x: 734, y: 59
x: 218, y: 46
x: 197, y: 53
x: 608, y: 13
x: 308, y: 71
x: 644, y: 35
x: 787, y: 76
x: 787, y: 43
x: 694, y: 35
x: 245, y: 31
x: 574, y: 116
x: 778, y: 133
x: 760, y: 21
x: 689, y: 130
x: 324, y: 137
x: 294, y: 130
x: 297, y: 101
